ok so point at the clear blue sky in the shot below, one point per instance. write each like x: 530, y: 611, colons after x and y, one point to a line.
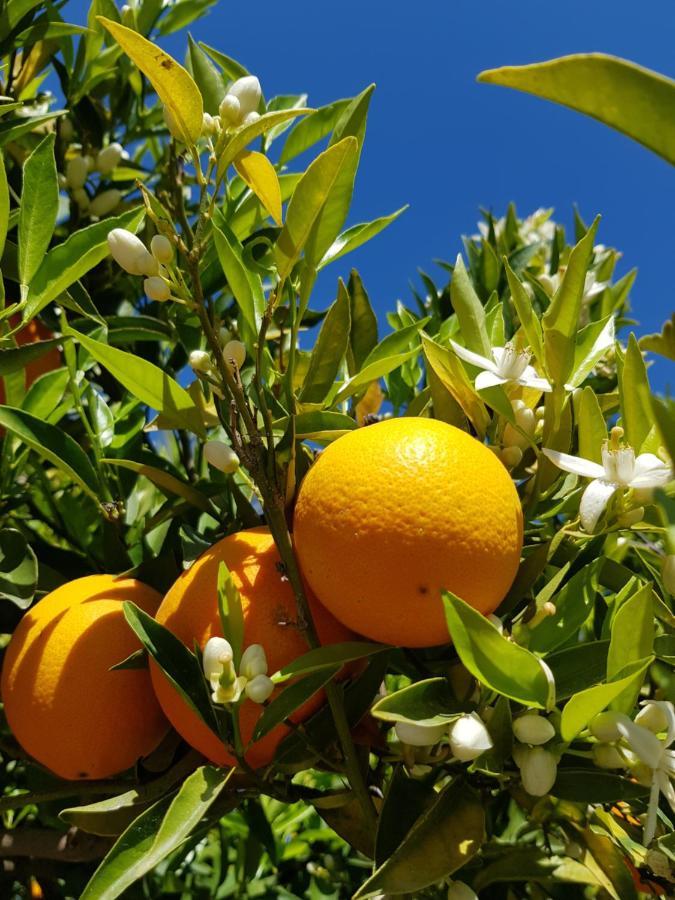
x: 447, y: 145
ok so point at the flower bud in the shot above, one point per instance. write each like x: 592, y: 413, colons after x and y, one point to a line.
x: 130, y: 253
x: 128, y: 16
x: 608, y: 756
x: 253, y: 662
x: 216, y: 655
x: 162, y: 249
x: 459, y: 890
x: 604, y: 726
x: 538, y: 771
x: 77, y: 169
x: 259, y: 689
x: 632, y: 517
x: 419, y: 735
x: 156, y: 288
x: 248, y: 92
x: 469, y: 738
x: 526, y: 420
x: 533, y: 729
x: 234, y: 353
x: 221, y: 456
x: 105, y: 202
x: 81, y: 197
x: 519, y: 754
x: 200, y: 361
x: 230, y: 110
x: 668, y: 573
x: 652, y: 717
x: 511, y: 456
x: 209, y: 125
x: 108, y: 158
x: 251, y: 117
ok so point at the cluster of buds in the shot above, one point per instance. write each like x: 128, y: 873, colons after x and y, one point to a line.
x: 468, y: 736
x: 133, y: 256
x: 238, y: 107
x: 79, y: 167
x: 528, y: 427
x: 226, y: 685
x: 538, y: 766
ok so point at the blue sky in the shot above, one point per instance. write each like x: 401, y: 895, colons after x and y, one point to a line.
x: 447, y: 145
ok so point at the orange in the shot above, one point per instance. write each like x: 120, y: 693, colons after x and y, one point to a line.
x: 393, y: 513
x: 33, y: 331
x: 65, y: 707
x: 190, y: 611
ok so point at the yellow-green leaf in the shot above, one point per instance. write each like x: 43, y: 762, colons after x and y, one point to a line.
x: 174, y: 85
x: 634, y: 100
x: 261, y: 176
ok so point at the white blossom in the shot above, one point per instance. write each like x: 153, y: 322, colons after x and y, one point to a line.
x: 533, y: 729
x: 259, y: 689
x: 105, y: 203
x: 469, y: 738
x: 130, y: 253
x: 162, y: 249
x: 200, y: 361
x: 253, y: 661
x: 507, y: 366
x: 240, y: 105
x: 221, y: 456
x: 416, y: 735
x: 156, y: 288
x: 538, y: 770
x: 77, y: 169
x: 108, y: 158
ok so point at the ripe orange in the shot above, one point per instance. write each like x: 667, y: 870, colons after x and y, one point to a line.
x: 190, y: 611
x: 34, y: 331
x: 64, y: 706
x: 391, y: 514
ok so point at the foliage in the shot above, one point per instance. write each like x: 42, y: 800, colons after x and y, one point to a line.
x: 105, y: 467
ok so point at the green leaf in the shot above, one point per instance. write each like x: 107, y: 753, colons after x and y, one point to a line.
x: 357, y: 235
x: 318, y: 425
x: 147, y: 382
x: 595, y: 786
x: 623, y: 95
x: 582, y: 707
x: 561, y: 319
x: 18, y: 568
x: 363, y: 333
x: 328, y: 657
x: 632, y: 639
x: 164, y: 480
x: 180, y: 666
x: 528, y: 320
x: 576, y: 668
x: 494, y: 660
x: 592, y: 344
x: 290, y: 699
x: 442, y: 840
x: 452, y: 375
x: 591, y: 426
x: 427, y: 702
x: 405, y: 801
x: 231, y: 68
x: 39, y: 207
x: 308, y: 200
x: 662, y: 342
x: 15, y: 359
x: 243, y: 136
x: 469, y: 309
x: 155, y: 834
x: 206, y: 77
x: 53, y: 444
x: 4, y: 205
x: 13, y: 129
x: 371, y: 372
x: 329, y: 350
x: 245, y: 285
x: 663, y: 410
x: 312, y: 129
x: 67, y: 262
x: 574, y: 603
x: 230, y: 612
x: 633, y: 387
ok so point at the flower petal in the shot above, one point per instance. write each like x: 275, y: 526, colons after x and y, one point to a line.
x: 577, y: 465
x: 666, y: 788
x: 530, y: 379
x: 594, y: 501
x: 650, y: 472
x: 488, y: 379
x: 482, y: 362
x: 642, y: 742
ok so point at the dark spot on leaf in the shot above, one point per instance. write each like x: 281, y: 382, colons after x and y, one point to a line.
x: 167, y: 64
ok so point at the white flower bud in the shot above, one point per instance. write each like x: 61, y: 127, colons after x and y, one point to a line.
x: 230, y: 110
x: 511, y: 456
x: 253, y: 662
x: 209, y: 125
x: 77, y: 170
x: 419, y: 735
x: 104, y: 203
x: 469, y: 738
x: 526, y: 420
x: 259, y: 689
x: 128, y: 16
x: 216, y: 655
x: 200, y: 361
x: 538, y: 771
x: 234, y: 352
x: 652, y: 717
x: 162, y: 249
x: 459, y: 890
x: 130, y: 253
x: 108, y: 158
x: 156, y: 288
x: 221, y: 456
x: 533, y: 729
x: 608, y: 756
x: 251, y: 117
x: 604, y: 726
x: 668, y: 573
x: 248, y: 92
x: 81, y: 197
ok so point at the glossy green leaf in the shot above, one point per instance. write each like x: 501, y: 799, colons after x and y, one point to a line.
x: 356, y: 236
x: 231, y: 68
x: 53, y: 444
x: 623, y: 95
x: 155, y: 834
x: 582, y: 707
x: 632, y: 639
x: 528, y: 320
x: 18, y: 568
x: 592, y: 428
x: 595, y: 786
x: 662, y: 342
x: 284, y: 704
x: 206, y: 76
x: 469, y: 310
x: 427, y: 702
x: 363, y: 334
x: 15, y: 359
x: 452, y: 375
x: 592, y: 343
x: 328, y: 657
x: 577, y: 668
x: 371, y: 372
x: 39, y: 207
x: 633, y: 387
x: 574, y: 604
x: 4, y: 205
x: 443, y: 839
x: 147, y: 382
x: 243, y: 136
x: 13, y: 129
x: 230, y: 612
x: 245, y: 285
x: 329, y: 350
x: 494, y: 660
x: 312, y: 129
x: 405, y: 801
x: 663, y: 410
x: 308, y: 200
x: 318, y: 425
x: 164, y: 480
x: 67, y: 262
